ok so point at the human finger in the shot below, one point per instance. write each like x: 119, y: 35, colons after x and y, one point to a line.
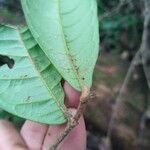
x: 33, y: 134
x: 10, y: 139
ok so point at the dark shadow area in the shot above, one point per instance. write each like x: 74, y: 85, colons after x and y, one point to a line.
x: 6, y: 60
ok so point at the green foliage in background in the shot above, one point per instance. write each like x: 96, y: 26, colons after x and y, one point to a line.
x: 121, y: 26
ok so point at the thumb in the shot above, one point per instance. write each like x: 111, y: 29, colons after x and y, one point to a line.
x: 75, y: 140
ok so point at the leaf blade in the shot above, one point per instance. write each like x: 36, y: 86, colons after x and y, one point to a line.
x: 62, y: 35
x: 31, y: 89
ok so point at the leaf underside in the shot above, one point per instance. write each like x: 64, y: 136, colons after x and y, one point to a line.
x: 67, y: 32
x: 31, y: 89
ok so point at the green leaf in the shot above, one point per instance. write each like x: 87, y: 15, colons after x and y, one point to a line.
x: 31, y: 89
x: 67, y: 31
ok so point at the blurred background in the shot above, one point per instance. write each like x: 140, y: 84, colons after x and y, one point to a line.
x: 118, y: 117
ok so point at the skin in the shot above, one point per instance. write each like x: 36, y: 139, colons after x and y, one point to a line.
x: 37, y: 136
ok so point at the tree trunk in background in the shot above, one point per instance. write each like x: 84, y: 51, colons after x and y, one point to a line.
x: 145, y: 46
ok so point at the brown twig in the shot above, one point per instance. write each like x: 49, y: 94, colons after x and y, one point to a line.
x: 73, y: 121
x: 120, y: 99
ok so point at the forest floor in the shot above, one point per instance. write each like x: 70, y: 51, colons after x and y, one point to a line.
x: 109, y: 76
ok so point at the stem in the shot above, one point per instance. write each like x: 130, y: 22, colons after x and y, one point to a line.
x: 120, y: 100
x: 73, y: 121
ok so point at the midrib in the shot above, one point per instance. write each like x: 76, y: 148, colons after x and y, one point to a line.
x: 68, y: 55
x: 40, y: 76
